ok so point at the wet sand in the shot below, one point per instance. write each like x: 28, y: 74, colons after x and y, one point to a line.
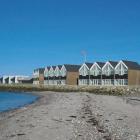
x: 74, y: 116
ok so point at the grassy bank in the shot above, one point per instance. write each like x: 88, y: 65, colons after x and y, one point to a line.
x: 108, y: 90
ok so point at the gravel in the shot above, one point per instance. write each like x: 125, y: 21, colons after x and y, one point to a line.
x: 74, y: 116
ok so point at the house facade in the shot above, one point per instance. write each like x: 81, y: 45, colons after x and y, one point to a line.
x: 25, y: 80
x: 68, y: 74
x: 96, y: 73
x: 127, y: 73
x: 51, y: 75
x: 46, y: 76
x: 108, y: 73
x: 84, y: 74
x: 15, y: 79
x: 38, y: 76
x: 111, y: 73
x: 58, y: 75
x: 62, y: 75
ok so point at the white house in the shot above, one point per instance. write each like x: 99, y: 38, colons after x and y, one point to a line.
x: 46, y: 76
x: 121, y: 73
x: 63, y: 73
x: 36, y: 77
x: 96, y: 73
x: 108, y: 73
x: 12, y: 79
x: 57, y: 73
x: 84, y: 74
x: 51, y: 75
x: 5, y: 79
x: 127, y: 73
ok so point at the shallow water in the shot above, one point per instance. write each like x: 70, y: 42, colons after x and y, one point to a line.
x: 9, y: 101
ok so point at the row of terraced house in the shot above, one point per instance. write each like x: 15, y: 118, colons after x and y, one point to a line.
x: 96, y: 74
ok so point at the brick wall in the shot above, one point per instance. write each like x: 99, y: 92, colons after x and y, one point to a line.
x: 72, y: 78
x: 134, y: 77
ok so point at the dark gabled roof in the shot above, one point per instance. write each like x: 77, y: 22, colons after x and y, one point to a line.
x: 131, y: 65
x: 59, y: 66
x: 72, y: 68
x: 48, y: 67
x: 41, y: 70
x: 54, y: 67
x: 101, y: 64
x: 113, y: 63
x: 89, y: 64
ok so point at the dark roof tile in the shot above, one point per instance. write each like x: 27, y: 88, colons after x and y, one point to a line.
x: 59, y: 66
x: 131, y: 65
x: 48, y: 67
x: 113, y: 63
x: 72, y: 68
x: 41, y: 70
x: 101, y: 64
x: 89, y: 64
x: 54, y: 67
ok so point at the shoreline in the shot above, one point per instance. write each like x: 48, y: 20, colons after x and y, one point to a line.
x: 12, y: 112
x: 72, y: 116
x: 41, y: 95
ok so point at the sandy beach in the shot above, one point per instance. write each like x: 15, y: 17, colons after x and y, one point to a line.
x: 74, y: 116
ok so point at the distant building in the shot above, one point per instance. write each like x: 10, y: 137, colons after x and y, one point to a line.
x: 38, y: 76
x: 69, y: 74
x: 46, y: 76
x: 25, y: 80
x: 127, y: 73
x: 57, y: 74
x: 110, y: 73
x: 12, y: 79
x: 61, y: 75
x: 96, y: 73
x: 84, y: 74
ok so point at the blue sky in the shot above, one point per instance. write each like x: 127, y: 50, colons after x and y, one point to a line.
x: 37, y: 33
